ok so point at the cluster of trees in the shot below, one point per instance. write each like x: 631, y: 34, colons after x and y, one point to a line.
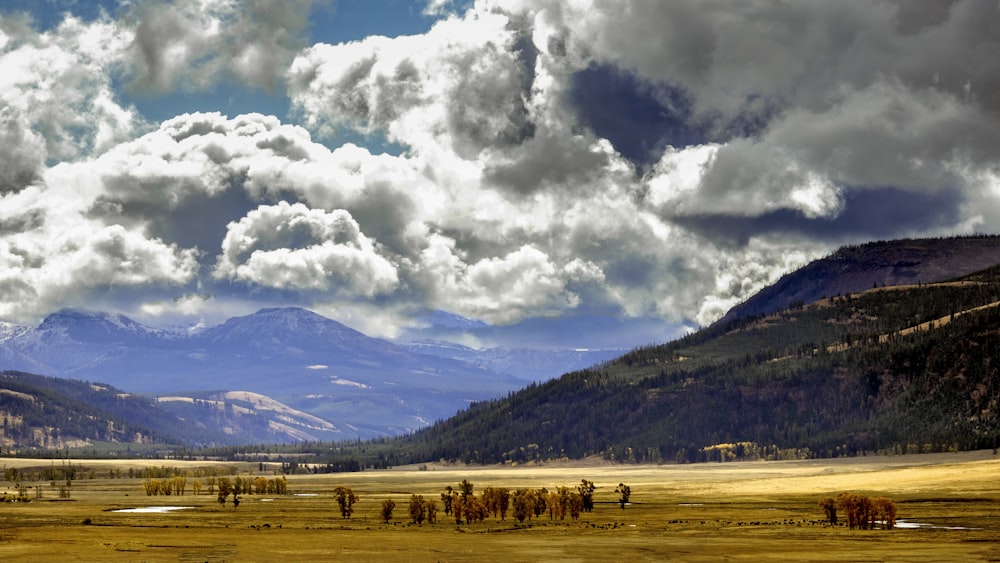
x: 258, y: 485
x: 177, y: 485
x: 462, y: 504
x: 420, y: 510
x: 64, y: 471
x: 172, y: 486
x: 862, y: 512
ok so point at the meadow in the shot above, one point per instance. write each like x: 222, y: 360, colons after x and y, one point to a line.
x: 948, y: 509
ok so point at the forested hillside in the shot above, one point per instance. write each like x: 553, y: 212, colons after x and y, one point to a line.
x: 875, y: 264
x: 46, y: 413
x: 907, y: 368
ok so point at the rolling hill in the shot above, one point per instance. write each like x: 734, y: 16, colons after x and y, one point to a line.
x: 39, y: 413
x: 49, y: 413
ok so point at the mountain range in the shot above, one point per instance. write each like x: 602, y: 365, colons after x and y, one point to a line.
x: 359, y: 386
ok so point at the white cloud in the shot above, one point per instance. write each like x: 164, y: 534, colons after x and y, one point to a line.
x: 500, y: 289
x: 293, y: 247
x: 54, y: 260
x: 462, y: 85
x: 55, y: 91
x: 196, y: 44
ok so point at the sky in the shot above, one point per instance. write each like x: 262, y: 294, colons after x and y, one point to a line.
x: 614, y: 171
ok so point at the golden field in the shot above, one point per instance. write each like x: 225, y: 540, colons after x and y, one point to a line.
x: 746, y: 511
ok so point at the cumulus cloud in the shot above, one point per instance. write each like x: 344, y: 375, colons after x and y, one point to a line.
x: 194, y: 44
x: 464, y: 84
x: 55, y: 258
x: 56, y: 100
x: 291, y: 246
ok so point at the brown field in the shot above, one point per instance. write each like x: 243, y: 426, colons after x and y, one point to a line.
x: 748, y: 511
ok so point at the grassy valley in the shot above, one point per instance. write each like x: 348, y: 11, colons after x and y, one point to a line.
x: 732, y: 511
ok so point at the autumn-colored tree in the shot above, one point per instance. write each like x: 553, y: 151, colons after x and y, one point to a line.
x: 524, y: 504
x: 497, y: 501
x: 418, y: 509
x: 196, y: 487
x: 575, y: 505
x: 552, y: 504
x: 540, y: 504
x: 225, y: 488
x: 151, y: 487
x: 565, y: 501
x: 178, y: 485
x: 858, y: 509
x: 473, y: 509
x: 345, y: 500
x: 885, y: 511
x: 260, y: 486
x: 432, y: 510
x: 465, y: 489
x: 387, y: 507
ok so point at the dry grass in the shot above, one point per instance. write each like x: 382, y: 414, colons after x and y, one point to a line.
x: 710, y: 512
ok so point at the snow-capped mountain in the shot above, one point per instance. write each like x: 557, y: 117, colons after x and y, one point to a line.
x: 302, y: 359
x: 361, y: 385
x: 98, y: 328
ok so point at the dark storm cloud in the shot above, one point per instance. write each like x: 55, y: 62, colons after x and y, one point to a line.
x: 868, y: 214
x: 639, y: 118
x: 193, y: 222
x: 23, y: 153
x: 545, y: 162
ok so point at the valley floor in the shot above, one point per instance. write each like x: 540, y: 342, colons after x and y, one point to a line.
x: 748, y: 511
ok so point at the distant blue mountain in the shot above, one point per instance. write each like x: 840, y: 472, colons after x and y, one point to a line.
x: 446, y: 320
x: 367, y: 386
x: 364, y: 386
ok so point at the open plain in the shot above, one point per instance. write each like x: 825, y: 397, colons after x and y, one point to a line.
x: 948, y: 509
